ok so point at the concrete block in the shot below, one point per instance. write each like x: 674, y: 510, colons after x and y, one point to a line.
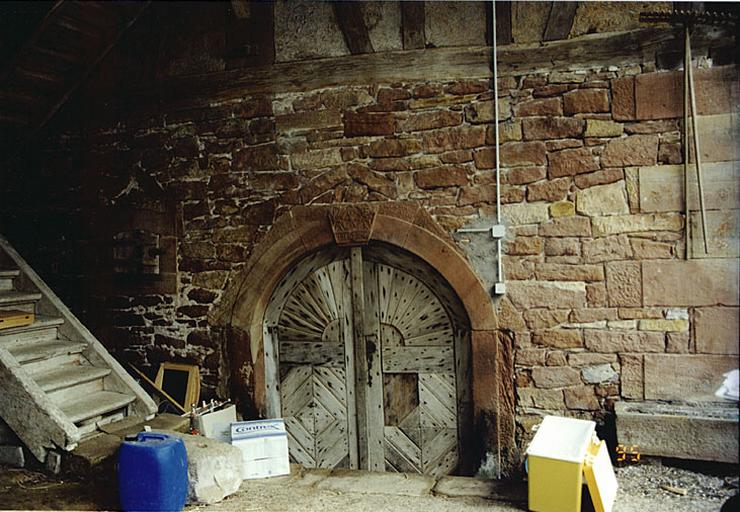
x: 690, y: 283
x: 684, y: 432
x: 722, y: 234
x: 661, y: 187
x: 690, y: 377
x: 12, y: 456
x: 716, y: 330
x: 214, y: 468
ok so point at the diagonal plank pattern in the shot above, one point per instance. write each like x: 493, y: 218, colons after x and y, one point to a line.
x: 367, y: 364
x: 313, y: 386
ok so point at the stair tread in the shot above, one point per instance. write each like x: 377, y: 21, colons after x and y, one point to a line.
x: 39, y: 322
x: 13, y: 297
x: 70, y: 375
x: 10, y: 273
x: 94, y: 404
x: 45, y: 350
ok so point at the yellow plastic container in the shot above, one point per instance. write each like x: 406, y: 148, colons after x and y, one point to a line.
x: 555, y: 458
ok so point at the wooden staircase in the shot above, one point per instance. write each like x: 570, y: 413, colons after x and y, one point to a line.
x: 68, y: 44
x: 59, y: 383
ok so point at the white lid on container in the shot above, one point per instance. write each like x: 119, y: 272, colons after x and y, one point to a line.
x: 565, y: 439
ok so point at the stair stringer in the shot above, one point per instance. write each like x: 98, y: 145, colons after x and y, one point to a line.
x: 72, y: 329
x: 29, y: 412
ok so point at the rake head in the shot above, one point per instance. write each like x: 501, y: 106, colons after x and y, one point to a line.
x: 690, y: 18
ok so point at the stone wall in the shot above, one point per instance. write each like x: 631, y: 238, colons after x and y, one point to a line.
x: 600, y: 302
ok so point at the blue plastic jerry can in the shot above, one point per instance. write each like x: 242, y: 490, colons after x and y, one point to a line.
x: 153, y: 473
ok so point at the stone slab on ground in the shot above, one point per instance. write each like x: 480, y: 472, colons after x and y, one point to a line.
x: 462, y: 486
x: 707, y: 432
x: 368, y: 482
x: 92, y: 452
x: 101, y: 448
x: 135, y: 424
x: 12, y: 456
x: 214, y: 468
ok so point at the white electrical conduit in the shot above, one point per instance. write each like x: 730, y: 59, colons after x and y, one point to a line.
x: 500, y: 269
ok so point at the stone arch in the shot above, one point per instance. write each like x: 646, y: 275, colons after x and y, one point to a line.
x: 306, y: 229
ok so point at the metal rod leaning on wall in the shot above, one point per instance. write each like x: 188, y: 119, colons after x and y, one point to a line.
x: 685, y: 140
x: 697, y: 154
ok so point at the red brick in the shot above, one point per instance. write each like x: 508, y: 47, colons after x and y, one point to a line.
x: 541, y: 128
x: 623, y: 98
x: 467, y: 87
x: 599, y: 178
x: 393, y: 147
x: 550, y: 190
x: 586, y: 101
x: 631, y: 150
x: 451, y: 176
x: 485, y: 158
x: 660, y: 95
x: 368, y: 124
x: 540, y: 107
x: 570, y: 162
x: 523, y: 153
x: 429, y: 121
x: 524, y: 175
x: 454, y: 138
x: 478, y: 194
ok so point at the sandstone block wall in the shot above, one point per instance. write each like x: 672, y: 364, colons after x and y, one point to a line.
x: 601, y: 304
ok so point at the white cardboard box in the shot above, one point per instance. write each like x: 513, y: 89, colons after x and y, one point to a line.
x: 217, y: 425
x: 264, y: 446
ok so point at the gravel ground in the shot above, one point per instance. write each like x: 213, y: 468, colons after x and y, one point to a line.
x: 639, y: 492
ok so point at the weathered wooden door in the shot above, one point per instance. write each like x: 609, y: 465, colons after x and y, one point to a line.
x: 368, y: 364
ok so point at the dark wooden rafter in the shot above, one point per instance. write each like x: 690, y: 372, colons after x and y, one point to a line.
x: 560, y: 20
x: 65, y: 48
x: 352, y: 24
x: 250, y: 31
x: 503, y: 22
x: 91, y: 67
x: 412, y: 25
x: 447, y: 63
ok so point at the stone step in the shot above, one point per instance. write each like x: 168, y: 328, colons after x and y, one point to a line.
x: 70, y: 375
x: 43, y: 328
x: 6, y: 279
x: 94, y: 404
x: 694, y: 431
x: 46, y: 350
x: 18, y: 300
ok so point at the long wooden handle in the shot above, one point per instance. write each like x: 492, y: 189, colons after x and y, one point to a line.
x: 160, y: 390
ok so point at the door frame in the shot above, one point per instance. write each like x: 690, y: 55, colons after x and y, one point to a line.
x: 363, y: 365
x: 306, y: 229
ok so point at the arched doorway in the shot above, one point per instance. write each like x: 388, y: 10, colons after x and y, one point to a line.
x: 308, y: 230
x: 367, y: 360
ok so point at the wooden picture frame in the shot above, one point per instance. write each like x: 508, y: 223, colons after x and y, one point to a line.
x: 171, y: 377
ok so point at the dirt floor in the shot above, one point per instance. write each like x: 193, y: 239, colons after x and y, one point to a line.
x: 640, y: 491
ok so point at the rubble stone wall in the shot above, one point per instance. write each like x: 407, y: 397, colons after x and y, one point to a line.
x: 601, y: 303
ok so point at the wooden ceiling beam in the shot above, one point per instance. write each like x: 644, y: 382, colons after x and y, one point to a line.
x: 412, y: 23
x: 560, y: 20
x: 352, y: 24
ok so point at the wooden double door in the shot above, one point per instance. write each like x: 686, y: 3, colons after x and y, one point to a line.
x: 366, y: 360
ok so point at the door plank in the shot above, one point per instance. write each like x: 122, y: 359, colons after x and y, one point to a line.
x: 313, y: 353
x: 418, y: 359
x: 360, y: 358
x: 374, y: 397
x: 403, y: 454
x: 340, y: 278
